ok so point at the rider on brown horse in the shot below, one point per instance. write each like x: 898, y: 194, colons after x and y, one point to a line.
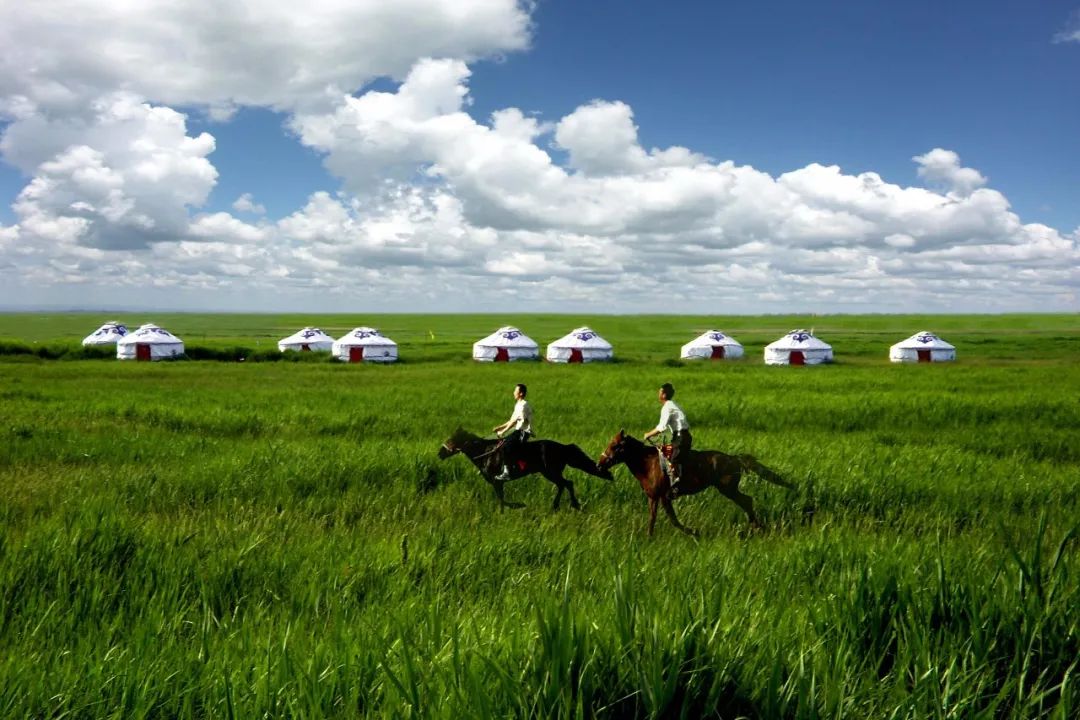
x: 520, y: 426
x: 674, y: 419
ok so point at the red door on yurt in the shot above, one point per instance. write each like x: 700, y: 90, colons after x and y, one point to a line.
x: 305, y: 348
x: 356, y: 354
x: 142, y: 351
x: 924, y: 355
x: 575, y: 355
x: 502, y: 355
x: 717, y: 352
x: 796, y: 357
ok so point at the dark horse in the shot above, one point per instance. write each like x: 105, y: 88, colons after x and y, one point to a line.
x: 701, y: 469
x: 547, y: 457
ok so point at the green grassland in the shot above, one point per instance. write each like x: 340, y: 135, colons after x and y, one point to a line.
x: 279, y: 539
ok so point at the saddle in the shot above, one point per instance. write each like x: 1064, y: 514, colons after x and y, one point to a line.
x: 664, y: 453
x: 517, y: 466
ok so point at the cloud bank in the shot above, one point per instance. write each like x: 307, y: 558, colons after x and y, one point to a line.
x: 437, y: 209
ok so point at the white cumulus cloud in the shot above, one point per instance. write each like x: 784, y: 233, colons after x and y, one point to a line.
x: 54, y: 56
x: 130, y: 183
x: 440, y: 209
x: 943, y: 167
x: 246, y: 203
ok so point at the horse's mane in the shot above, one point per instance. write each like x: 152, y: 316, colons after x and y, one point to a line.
x: 628, y: 438
x: 463, y: 435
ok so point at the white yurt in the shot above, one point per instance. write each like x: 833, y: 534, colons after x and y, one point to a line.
x: 922, y: 347
x: 365, y: 344
x: 580, y: 345
x: 149, y: 342
x: 712, y: 345
x: 506, y: 344
x: 108, y: 334
x: 310, y: 339
x: 798, y: 347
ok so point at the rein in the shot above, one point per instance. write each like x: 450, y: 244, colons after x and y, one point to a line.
x: 481, y: 456
x: 492, y: 451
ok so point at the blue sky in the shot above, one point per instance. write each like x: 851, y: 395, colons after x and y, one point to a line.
x: 862, y: 85
x: 776, y: 87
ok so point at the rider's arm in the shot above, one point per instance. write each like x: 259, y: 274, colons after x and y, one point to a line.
x: 665, y: 415
x: 499, y: 429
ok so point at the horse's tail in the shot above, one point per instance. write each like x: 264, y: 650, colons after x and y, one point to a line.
x: 749, y: 462
x: 576, y: 458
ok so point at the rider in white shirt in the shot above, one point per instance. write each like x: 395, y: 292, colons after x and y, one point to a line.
x: 520, y: 427
x: 674, y: 419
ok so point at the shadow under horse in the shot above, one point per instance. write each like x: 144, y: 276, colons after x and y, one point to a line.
x: 547, y: 457
x: 701, y: 469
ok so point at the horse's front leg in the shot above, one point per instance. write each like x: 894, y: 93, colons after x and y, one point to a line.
x: 670, y: 510
x: 652, y: 515
x: 503, y: 503
x: 498, y: 487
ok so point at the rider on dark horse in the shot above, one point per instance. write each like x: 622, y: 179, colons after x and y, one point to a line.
x: 520, y: 427
x: 674, y: 419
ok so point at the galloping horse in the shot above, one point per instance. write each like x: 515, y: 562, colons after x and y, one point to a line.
x: 547, y: 457
x: 701, y: 469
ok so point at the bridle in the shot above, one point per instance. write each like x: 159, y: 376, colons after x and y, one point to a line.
x: 453, y: 450
x: 606, y: 460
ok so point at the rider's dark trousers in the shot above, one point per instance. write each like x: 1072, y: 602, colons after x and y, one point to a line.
x: 511, y: 445
x: 680, y: 445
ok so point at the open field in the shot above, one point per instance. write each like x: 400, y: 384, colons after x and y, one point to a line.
x: 856, y: 339
x: 207, y: 539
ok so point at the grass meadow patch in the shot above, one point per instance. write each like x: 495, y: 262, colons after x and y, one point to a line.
x: 279, y: 539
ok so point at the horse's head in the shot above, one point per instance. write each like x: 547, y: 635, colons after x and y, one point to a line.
x: 614, y: 453
x: 453, y: 444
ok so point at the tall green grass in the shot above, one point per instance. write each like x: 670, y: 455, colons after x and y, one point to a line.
x: 202, y: 539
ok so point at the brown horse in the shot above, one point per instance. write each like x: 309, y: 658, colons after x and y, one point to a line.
x: 701, y: 469
x: 547, y: 457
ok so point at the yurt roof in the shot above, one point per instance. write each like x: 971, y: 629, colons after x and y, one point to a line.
x: 307, y: 335
x: 924, y: 341
x: 364, y: 336
x: 508, y: 337
x: 149, y: 334
x: 799, y: 340
x: 582, y: 337
x: 711, y: 338
x: 110, y: 328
